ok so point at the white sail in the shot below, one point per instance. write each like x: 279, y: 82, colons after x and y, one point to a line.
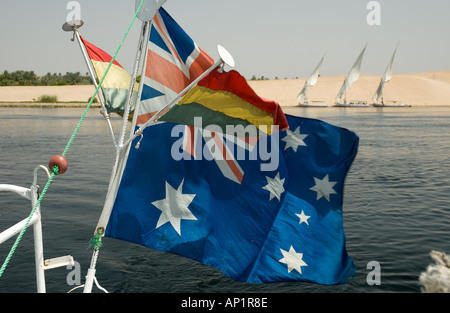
x: 386, y: 78
x: 352, y: 76
x: 312, y: 80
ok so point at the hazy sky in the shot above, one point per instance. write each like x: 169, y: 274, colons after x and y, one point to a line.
x: 283, y: 38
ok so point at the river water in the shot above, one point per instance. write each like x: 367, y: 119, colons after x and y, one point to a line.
x: 396, y: 203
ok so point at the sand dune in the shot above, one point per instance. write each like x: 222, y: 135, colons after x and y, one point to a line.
x: 419, y: 89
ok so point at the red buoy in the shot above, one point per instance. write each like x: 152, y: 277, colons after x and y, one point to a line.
x: 60, y: 162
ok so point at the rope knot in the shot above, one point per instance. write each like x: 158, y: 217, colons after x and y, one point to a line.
x: 96, y: 241
x: 58, y: 164
x: 55, y: 169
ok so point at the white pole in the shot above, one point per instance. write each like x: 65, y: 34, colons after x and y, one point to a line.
x: 91, y: 272
x: 141, y: 83
x: 120, y: 157
x: 94, y: 81
x: 38, y: 244
x: 139, y: 53
x: 21, y: 191
x: 121, y: 154
x: 17, y: 228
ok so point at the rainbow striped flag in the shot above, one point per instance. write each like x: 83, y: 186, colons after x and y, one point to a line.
x: 225, y: 99
x: 116, y: 83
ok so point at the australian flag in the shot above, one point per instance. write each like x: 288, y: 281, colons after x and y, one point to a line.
x: 284, y: 223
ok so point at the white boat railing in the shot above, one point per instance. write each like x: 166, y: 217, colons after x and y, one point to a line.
x: 35, y: 221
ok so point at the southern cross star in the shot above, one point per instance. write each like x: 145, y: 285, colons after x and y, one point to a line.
x: 274, y: 186
x: 294, y: 139
x: 293, y: 260
x: 303, y: 218
x: 174, y: 207
x: 324, y: 188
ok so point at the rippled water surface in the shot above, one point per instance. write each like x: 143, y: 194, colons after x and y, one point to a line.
x: 396, y: 205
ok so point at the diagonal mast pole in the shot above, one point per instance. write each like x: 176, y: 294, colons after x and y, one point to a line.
x: 121, y: 154
x: 94, y: 79
x: 148, y: 9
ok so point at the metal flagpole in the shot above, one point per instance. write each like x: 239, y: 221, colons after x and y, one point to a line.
x: 145, y: 15
x: 121, y: 153
x: 127, y: 109
x: 94, y: 78
x: 137, y: 106
x: 73, y: 26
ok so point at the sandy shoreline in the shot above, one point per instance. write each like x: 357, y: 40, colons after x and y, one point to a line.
x: 418, y: 89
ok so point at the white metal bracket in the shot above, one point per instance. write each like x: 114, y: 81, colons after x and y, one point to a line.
x: 58, y: 262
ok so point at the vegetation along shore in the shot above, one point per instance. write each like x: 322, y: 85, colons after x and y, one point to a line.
x: 415, y: 89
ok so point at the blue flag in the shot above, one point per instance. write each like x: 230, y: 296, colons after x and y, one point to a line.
x: 282, y: 222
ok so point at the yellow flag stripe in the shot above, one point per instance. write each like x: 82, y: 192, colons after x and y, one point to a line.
x: 117, y: 77
x: 229, y: 104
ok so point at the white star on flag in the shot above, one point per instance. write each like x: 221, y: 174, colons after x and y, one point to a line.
x: 324, y: 188
x: 294, y: 139
x: 174, y: 207
x: 303, y: 218
x: 293, y: 260
x: 274, y: 186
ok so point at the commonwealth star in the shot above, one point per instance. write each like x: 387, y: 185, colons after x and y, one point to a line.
x: 293, y: 260
x: 274, y: 186
x: 324, y: 187
x: 294, y: 139
x: 174, y: 207
x: 303, y: 218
